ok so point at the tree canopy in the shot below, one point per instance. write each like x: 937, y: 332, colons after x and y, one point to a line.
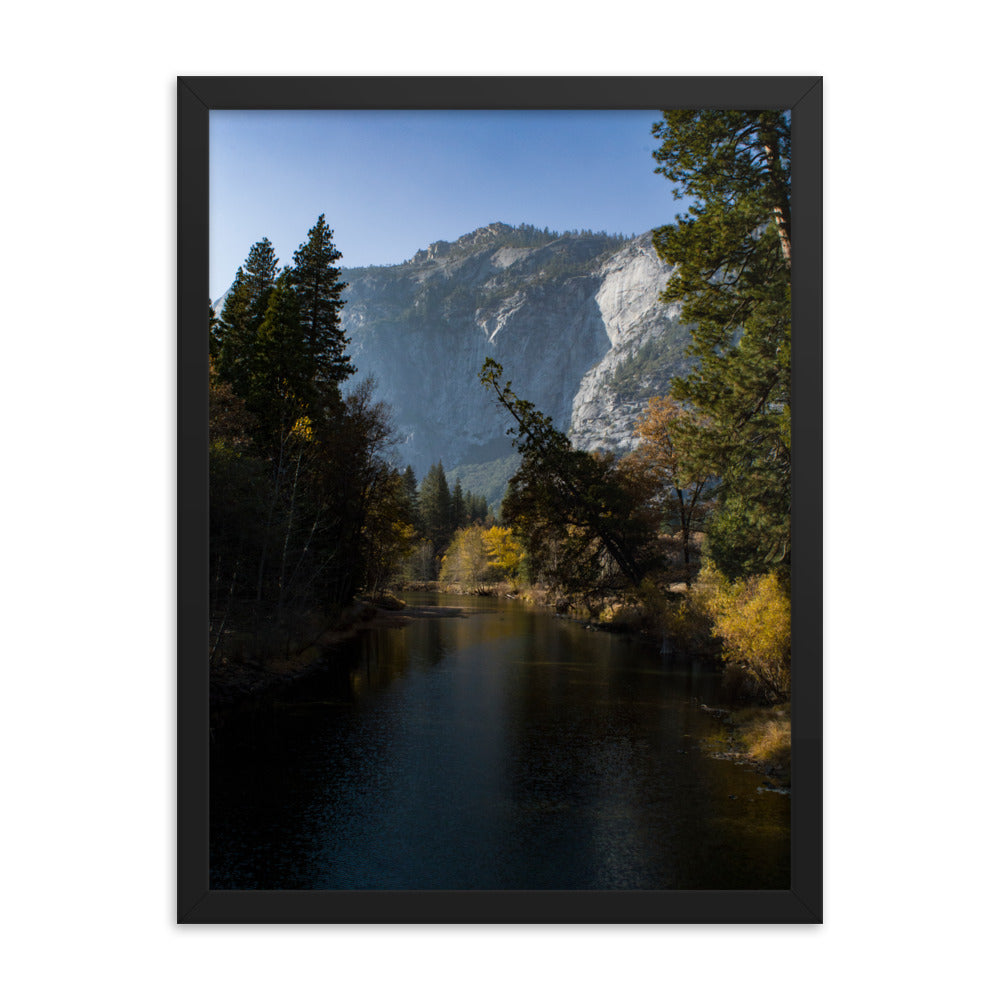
x: 684, y: 494
x: 305, y: 505
x: 577, y: 506
x: 316, y: 280
x: 732, y: 257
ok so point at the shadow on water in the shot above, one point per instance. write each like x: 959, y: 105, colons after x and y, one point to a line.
x: 502, y: 750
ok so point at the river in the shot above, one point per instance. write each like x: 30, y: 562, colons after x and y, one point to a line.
x: 506, y: 749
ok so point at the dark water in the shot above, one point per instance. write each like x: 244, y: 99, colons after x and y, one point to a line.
x: 503, y: 750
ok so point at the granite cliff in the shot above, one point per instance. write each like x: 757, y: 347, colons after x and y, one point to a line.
x: 575, y: 320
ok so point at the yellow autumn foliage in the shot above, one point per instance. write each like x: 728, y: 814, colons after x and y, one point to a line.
x: 465, y: 562
x: 302, y: 430
x: 753, y: 618
x: 503, y: 551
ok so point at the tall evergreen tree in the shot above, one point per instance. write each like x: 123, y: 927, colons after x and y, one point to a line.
x: 213, y: 333
x: 235, y: 336
x: 412, y: 504
x: 261, y: 270
x: 459, y: 513
x: 306, y: 506
x: 281, y: 391
x: 477, y: 508
x: 732, y: 254
x: 316, y: 280
x: 436, y: 508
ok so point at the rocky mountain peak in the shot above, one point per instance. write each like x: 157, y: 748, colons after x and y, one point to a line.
x: 575, y: 319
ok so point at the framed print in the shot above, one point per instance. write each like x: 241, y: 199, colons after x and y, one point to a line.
x: 499, y: 418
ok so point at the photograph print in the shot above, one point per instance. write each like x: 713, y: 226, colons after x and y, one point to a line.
x: 500, y: 515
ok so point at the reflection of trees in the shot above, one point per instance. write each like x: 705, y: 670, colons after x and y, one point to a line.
x: 509, y: 745
x: 610, y: 783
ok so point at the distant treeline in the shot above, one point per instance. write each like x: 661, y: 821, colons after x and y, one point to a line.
x: 527, y: 236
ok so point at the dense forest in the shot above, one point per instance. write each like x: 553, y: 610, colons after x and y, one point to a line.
x: 687, y: 536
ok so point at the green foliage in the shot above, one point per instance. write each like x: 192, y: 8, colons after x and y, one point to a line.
x: 231, y: 343
x: 489, y: 479
x: 316, y: 281
x: 390, y: 538
x: 279, y: 377
x: 732, y: 253
x: 459, y: 511
x: 435, y: 503
x: 442, y: 510
x: 477, y: 511
x: 305, y: 507
x: 740, y: 532
x: 411, y: 501
x: 585, y: 522
x: 643, y: 370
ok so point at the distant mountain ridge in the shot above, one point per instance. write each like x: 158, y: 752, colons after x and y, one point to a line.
x: 574, y: 318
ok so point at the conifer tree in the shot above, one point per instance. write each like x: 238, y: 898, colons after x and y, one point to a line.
x: 436, y: 508
x: 261, y: 270
x: 412, y: 505
x: 235, y: 335
x: 732, y: 254
x: 316, y: 280
x: 459, y: 513
x: 281, y: 390
x: 213, y: 333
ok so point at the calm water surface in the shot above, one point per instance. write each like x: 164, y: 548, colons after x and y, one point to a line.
x: 502, y: 750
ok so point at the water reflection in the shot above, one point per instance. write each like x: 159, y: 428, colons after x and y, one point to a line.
x: 505, y: 749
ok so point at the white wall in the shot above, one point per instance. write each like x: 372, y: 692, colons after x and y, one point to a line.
x: 911, y: 698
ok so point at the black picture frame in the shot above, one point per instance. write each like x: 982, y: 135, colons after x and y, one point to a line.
x: 196, y: 903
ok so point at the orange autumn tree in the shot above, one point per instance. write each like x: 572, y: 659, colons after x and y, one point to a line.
x: 684, y: 493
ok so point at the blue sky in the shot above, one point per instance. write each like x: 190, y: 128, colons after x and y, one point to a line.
x: 392, y: 182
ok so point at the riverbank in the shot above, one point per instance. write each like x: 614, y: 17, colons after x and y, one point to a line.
x: 233, y: 681
x: 759, y: 739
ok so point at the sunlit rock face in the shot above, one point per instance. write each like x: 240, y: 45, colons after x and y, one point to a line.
x: 645, y: 350
x: 575, y: 320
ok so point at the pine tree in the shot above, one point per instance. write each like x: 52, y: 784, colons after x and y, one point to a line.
x: 235, y: 335
x: 732, y: 254
x: 412, y: 504
x: 459, y: 513
x: 261, y: 270
x: 316, y: 280
x: 281, y: 390
x: 477, y: 508
x: 213, y: 333
x: 435, y: 507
